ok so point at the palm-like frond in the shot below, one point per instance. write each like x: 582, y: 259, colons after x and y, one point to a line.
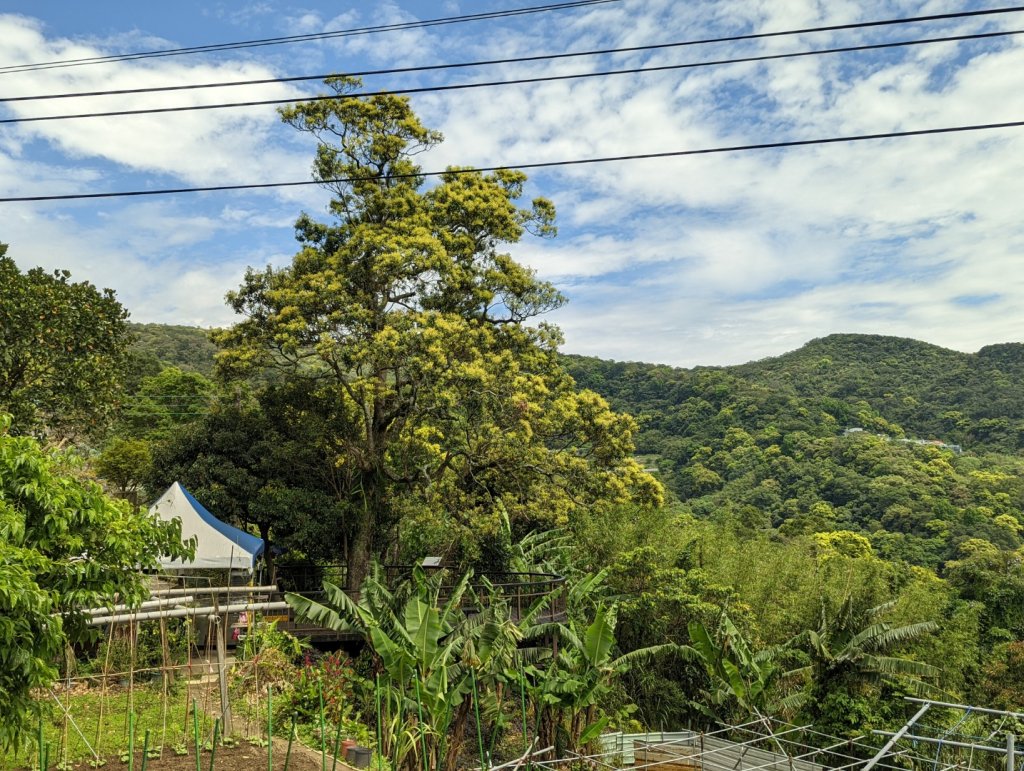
x: 643, y: 655
x: 893, y: 665
x: 885, y: 636
x: 321, y: 615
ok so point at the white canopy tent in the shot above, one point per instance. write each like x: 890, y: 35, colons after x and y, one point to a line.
x: 218, y: 544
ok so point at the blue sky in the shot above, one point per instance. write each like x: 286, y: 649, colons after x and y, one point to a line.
x: 703, y: 260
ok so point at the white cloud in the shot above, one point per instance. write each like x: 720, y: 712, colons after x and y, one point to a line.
x: 708, y: 259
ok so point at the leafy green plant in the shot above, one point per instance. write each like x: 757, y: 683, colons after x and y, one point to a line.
x: 428, y: 652
x: 569, y: 691
x: 331, y: 677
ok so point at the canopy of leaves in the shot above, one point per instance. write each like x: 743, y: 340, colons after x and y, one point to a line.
x: 64, y: 546
x: 410, y: 324
x: 172, y: 345
x: 763, y: 446
x: 64, y: 347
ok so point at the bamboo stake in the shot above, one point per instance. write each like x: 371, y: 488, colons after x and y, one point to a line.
x: 131, y: 667
x: 195, y: 732
x: 216, y: 736
x: 291, y: 738
x: 476, y: 710
x: 423, y: 737
x: 323, y: 726
x: 42, y: 755
x: 522, y: 701
x: 337, y: 743
x: 188, y: 686
x: 69, y: 657
x: 270, y: 728
x: 103, y: 692
x: 131, y: 742
x: 380, y: 745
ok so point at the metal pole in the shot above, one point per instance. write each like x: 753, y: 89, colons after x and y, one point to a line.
x: 157, y: 604
x: 951, y: 743
x: 895, y: 738
x: 1010, y: 754
x: 952, y: 705
x: 215, y: 589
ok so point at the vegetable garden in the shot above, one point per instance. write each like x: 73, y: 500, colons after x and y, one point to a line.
x: 450, y: 674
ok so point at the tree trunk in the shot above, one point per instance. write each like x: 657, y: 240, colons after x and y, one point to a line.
x: 359, y: 555
x: 361, y: 547
x: 456, y: 737
x: 268, y: 554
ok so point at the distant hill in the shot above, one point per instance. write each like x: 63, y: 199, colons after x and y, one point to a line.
x: 187, y: 348
x: 972, y: 399
x: 763, y: 444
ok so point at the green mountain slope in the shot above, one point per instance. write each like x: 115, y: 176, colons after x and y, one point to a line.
x: 187, y: 348
x: 765, y: 444
x: 972, y: 399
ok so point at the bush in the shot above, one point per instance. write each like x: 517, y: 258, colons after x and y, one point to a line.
x: 333, y: 676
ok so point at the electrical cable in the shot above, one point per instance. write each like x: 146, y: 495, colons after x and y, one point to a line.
x: 62, y: 63
x: 534, y: 165
x: 459, y: 65
x: 513, y: 82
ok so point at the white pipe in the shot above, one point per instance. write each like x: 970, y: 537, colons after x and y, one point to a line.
x: 146, y: 605
x: 182, y: 612
x: 201, y: 590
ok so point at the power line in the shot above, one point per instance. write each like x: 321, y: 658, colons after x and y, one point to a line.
x: 516, y: 81
x: 62, y: 63
x: 535, y: 165
x: 519, y: 59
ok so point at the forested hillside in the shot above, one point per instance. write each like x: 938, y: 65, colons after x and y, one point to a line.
x: 767, y: 444
x: 781, y: 522
x: 187, y: 348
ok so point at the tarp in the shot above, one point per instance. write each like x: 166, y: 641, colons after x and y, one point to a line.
x: 218, y: 544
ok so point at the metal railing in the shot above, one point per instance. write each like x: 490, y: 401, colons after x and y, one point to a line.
x: 519, y: 590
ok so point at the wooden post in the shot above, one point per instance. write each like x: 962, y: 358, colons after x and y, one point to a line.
x: 222, y: 675
x: 165, y: 649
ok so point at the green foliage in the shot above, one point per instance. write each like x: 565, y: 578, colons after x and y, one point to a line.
x: 431, y: 654
x: 63, y: 546
x: 164, y: 403
x: 740, y: 677
x: 572, y: 693
x: 268, y: 655
x: 125, y: 463
x: 64, y: 347
x: 257, y: 461
x: 762, y: 445
x: 330, y: 677
x: 187, y: 348
x: 439, y: 405
x: 1004, y: 677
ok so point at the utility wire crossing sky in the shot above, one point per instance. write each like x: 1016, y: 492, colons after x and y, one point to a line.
x: 880, y: 198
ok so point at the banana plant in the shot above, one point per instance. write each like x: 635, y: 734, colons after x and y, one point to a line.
x: 738, y: 674
x: 429, y: 651
x: 569, y: 690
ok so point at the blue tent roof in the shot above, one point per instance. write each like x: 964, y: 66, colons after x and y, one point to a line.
x: 247, y: 541
x: 219, y: 545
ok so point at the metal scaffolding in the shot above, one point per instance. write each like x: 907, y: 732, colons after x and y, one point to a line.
x: 767, y: 744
